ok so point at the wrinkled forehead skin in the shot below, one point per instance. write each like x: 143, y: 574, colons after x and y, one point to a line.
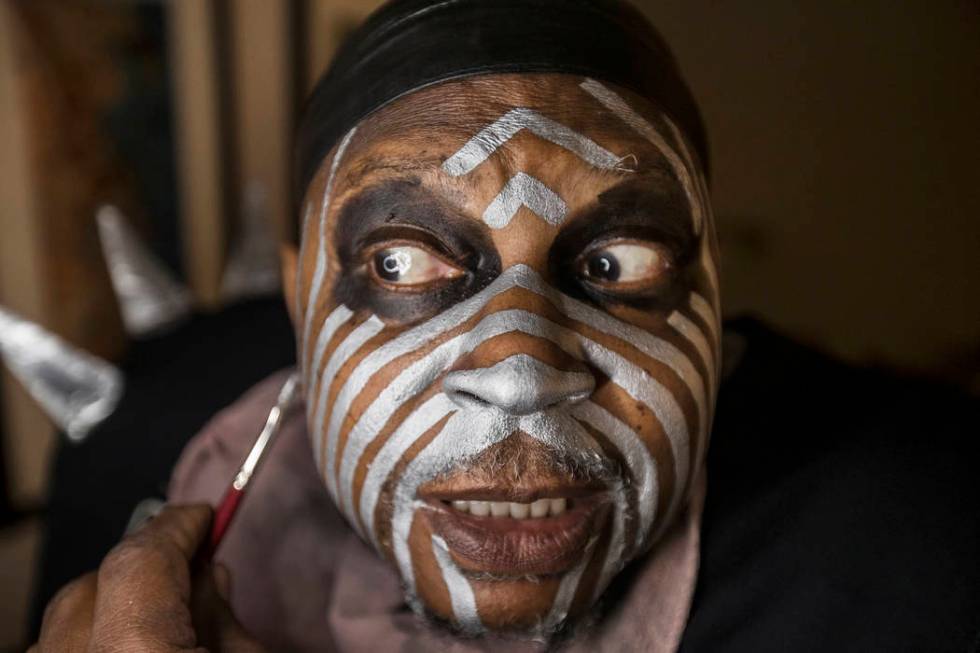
x: 515, y: 378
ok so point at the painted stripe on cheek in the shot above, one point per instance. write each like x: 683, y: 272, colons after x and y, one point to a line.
x: 692, y: 332
x: 337, y: 318
x: 450, y: 445
x: 354, y: 341
x: 701, y: 306
x: 408, y: 432
x: 641, y: 465
x: 320, y: 270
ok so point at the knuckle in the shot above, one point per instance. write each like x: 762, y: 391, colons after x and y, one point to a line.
x: 73, y: 596
x: 133, y: 555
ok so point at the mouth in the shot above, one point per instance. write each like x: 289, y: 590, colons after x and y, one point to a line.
x: 525, y: 532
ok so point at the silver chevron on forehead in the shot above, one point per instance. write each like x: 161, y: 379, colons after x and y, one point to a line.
x: 77, y: 390
x: 524, y: 190
x: 479, y: 148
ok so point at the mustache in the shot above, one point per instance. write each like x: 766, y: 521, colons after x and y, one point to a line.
x: 520, y: 456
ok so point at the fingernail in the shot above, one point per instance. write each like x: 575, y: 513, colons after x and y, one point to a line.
x: 144, y: 512
x: 222, y: 581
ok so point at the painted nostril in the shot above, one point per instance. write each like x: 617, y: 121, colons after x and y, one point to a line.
x: 518, y: 385
x: 466, y: 399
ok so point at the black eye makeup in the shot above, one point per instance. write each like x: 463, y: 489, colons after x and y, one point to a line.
x: 634, y: 246
x: 405, y: 255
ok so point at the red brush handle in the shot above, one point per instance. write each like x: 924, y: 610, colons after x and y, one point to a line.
x: 222, y: 518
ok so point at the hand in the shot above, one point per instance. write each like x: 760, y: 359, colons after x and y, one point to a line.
x: 149, y: 596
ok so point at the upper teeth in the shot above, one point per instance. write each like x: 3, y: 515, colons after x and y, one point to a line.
x: 539, y: 508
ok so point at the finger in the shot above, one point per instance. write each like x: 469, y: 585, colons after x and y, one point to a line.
x: 144, y: 585
x: 214, y: 620
x: 181, y: 526
x: 67, y: 622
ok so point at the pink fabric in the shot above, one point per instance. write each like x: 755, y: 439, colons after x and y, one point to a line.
x: 303, y: 581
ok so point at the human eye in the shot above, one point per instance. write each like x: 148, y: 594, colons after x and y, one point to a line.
x: 624, y: 265
x: 409, y: 267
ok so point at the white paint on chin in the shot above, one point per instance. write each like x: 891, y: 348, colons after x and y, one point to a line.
x: 567, y: 588
x: 460, y: 592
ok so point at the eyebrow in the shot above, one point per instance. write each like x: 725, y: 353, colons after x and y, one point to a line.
x: 652, y: 204
x: 406, y: 202
x: 402, y: 166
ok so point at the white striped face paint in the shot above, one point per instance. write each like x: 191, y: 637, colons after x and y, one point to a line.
x: 508, y: 322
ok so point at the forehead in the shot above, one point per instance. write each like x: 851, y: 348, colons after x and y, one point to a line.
x: 467, y: 138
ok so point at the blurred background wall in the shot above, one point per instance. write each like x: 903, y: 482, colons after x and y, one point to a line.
x: 844, y: 145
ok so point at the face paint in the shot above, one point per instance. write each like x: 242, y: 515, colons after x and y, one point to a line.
x: 522, y: 189
x: 519, y: 391
x: 321, y: 256
x: 479, y: 148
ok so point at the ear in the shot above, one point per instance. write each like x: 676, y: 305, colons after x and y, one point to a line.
x: 289, y: 257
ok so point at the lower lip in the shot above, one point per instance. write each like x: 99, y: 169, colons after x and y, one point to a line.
x: 503, y: 546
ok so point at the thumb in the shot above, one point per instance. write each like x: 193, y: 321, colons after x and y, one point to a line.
x: 216, y: 625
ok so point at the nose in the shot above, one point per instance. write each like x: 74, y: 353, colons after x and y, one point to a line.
x: 519, y: 385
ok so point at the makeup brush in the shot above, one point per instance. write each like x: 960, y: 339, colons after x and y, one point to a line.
x: 233, y: 497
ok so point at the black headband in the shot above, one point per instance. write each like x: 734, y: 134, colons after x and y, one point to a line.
x: 409, y: 44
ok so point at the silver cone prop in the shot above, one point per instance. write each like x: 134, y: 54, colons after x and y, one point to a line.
x: 150, y: 299
x: 77, y: 390
x: 253, y: 262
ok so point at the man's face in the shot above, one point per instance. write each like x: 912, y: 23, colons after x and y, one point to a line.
x: 507, y: 310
